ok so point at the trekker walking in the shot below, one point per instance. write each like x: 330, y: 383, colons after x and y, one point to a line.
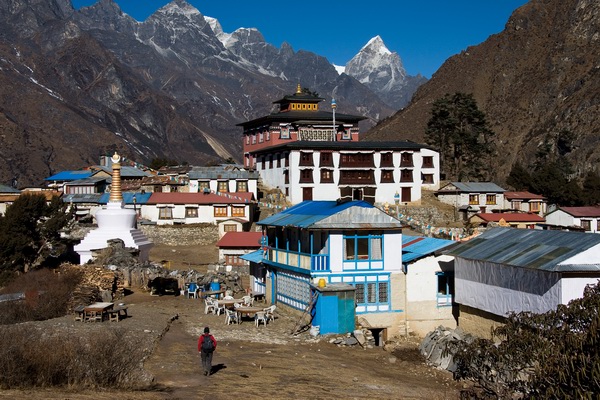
x: 206, y: 346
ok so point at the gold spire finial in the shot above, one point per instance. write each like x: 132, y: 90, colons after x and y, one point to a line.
x: 298, y: 89
x: 115, y: 189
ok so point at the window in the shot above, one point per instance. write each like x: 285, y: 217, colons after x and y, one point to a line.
x: 387, y: 176
x: 490, y: 199
x: 287, y: 159
x: 234, y: 260
x: 427, y: 179
x: 278, y: 160
x: 223, y: 186
x: 260, y: 137
x: 364, y: 247
x: 372, y: 293
x: 357, y: 177
x: 306, y: 176
x: 165, y: 213
x: 586, y: 224
x: 326, y: 176
x: 473, y: 199
x: 262, y: 162
x: 387, y: 160
x: 191, y: 212
x: 306, y: 159
x: 268, y: 135
x: 220, y: 211
x: 270, y: 162
x: 406, y: 160
x: 286, y: 177
x: 237, y: 211
x: 253, y: 139
x: 285, y: 132
x: 534, y: 206
x: 364, y: 160
x: 247, y: 139
x: 427, y: 162
x: 241, y: 186
x: 406, y: 175
x: 230, y: 228
x: 203, y: 186
x: 445, y: 288
x: 515, y: 205
x: 326, y: 159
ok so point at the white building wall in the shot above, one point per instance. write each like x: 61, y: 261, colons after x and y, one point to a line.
x: 392, y: 251
x: 573, y: 287
x: 336, y: 252
x: 205, y: 214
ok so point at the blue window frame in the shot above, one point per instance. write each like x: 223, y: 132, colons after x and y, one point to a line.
x: 445, y: 289
x: 367, y: 247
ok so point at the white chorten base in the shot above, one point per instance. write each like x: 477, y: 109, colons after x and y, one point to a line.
x: 114, y: 222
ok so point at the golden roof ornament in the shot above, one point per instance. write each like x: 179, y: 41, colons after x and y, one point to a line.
x: 298, y: 89
x: 115, y: 189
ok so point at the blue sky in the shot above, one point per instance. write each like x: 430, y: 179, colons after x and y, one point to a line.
x: 424, y: 33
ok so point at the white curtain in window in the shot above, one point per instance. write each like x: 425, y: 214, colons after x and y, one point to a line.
x: 376, y: 248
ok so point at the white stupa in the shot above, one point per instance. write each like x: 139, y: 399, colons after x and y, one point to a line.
x: 114, y: 222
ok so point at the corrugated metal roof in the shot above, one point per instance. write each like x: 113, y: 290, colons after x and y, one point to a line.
x: 140, y: 198
x: 126, y: 171
x: 69, y: 175
x: 522, y: 196
x: 333, y: 215
x: 255, y: 256
x: 201, y: 198
x: 8, y: 189
x: 589, y: 211
x: 474, y: 187
x: 82, y: 198
x: 222, y: 172
x: 509, y: 217
x: 415, y: 247
x: 530, y: 248
x: 240, y: 239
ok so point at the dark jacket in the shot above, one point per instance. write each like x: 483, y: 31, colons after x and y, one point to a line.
x: 200, y: 339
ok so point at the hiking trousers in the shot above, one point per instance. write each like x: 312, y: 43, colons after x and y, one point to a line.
x: 206, y: 362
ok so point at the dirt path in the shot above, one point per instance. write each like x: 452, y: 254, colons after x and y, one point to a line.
x: 253, y: 363
x: 267, y: 362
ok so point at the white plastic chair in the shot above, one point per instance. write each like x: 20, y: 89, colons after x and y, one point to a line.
x: 231, y: 316
x: 209, y: 305
x: 248, y: 301
x: 218, y: 307
x: 269, y: 313
x: 260, y: 316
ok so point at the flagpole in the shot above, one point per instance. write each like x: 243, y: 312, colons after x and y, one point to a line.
x: 333, y: 107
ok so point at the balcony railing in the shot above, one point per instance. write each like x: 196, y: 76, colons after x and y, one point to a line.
x: 308, y: 262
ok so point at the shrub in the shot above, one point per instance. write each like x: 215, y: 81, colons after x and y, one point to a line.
x: 32, y: 358
x: 47, y: 296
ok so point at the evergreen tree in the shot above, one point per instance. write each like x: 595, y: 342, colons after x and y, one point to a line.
x: 460, y: 132
x: 591, y: 189
x: 519, y: 178
x: 30, y: 231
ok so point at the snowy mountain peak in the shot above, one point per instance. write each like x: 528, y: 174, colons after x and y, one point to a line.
x: 376, y: 45
x: 179, y: 7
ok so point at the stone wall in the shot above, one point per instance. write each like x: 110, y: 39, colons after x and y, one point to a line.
x: 477, y: 322
x: 181, y: 235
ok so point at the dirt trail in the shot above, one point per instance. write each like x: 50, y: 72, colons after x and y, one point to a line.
x: 253, y: 363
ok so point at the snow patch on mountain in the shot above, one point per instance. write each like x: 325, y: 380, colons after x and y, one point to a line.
x: 340, y: 68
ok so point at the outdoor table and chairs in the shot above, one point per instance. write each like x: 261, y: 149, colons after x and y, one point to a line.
x: 210, y: 293
x: 248, y: 311
x: 97, y: 311
x: 230, y: 303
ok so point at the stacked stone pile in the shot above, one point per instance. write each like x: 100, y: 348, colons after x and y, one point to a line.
x: 437, y: 346
x: 361, y: 337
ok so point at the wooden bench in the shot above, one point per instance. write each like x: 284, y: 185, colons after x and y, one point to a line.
x: 118, y: 313
x: 79, y: 313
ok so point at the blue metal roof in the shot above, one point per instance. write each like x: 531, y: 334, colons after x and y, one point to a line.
x: 529, y: 248
x: 69, y: 175
x: 318, y: 215
x: 140, y: 198
x: 255, y: 256
x: 415, y: 247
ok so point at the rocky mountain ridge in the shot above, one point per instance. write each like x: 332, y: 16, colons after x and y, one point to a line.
x: 77, y: 84
x: 538, y: 82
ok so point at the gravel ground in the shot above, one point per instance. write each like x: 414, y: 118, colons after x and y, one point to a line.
x: 265, y: 362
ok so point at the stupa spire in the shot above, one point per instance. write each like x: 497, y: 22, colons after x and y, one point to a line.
x: 116, y: 195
